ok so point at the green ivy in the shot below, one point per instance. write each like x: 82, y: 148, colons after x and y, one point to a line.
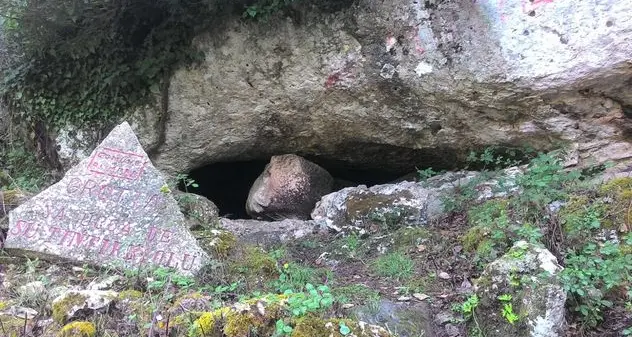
x: 84, y: 62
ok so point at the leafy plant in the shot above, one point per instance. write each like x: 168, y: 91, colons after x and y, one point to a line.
x: 164, y: 276
x: 509, y: 314
x: 294, y: 276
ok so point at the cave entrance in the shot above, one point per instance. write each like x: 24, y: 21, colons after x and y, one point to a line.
x: 228, y: 184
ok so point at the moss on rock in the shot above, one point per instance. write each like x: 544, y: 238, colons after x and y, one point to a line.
x: 65, y: 305
x: 78, y: 329
x: 257, y: 318
x: 218, y: 243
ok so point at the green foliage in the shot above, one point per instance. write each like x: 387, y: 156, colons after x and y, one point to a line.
x: 91, y: 61
x: 597, y: 269
x: 507, y: 310
x: 509, y: 314
x: 356, y: 293
x: 294, y: 276
x: 426, y: 174
x: 23, y: 169
x: 496, y: 157
x: 468, y: 307
x: 594, y: 272
x: 315, y: 299
x: 394, y: 265
x: 166, y: 276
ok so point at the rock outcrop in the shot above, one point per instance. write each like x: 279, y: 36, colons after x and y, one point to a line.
x: 394, y: 84
x: 525, y: 283
x: 288, y: 188
x: 113, y: 209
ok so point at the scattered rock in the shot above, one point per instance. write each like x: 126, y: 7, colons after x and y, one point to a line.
x: 404, y: 298
x: 402, y: 319
x: 113, y: 209
x: 269, y: 233
x: 198, y: 210
x: 444, y: 276
x: 527, y: 278
x: 404, y: 203
x: 75, y: 304
x: 288, y: 188
x: 420, y: 297
x: 20, y: 312
x: 451, y: 330
x: 33, y: 293
x: 191, y: 303
x: 104, y: 284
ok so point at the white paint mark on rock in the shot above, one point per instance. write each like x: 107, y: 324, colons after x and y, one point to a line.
x: 423, y: 68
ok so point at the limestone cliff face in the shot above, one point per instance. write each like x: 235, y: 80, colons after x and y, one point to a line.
x: 395, y: 83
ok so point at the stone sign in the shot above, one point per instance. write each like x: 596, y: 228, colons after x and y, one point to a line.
x: 111, y: 210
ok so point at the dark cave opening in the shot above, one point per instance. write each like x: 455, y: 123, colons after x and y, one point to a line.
x: 228, y: 184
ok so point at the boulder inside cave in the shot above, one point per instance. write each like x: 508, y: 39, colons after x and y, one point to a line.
x: 227, y: 184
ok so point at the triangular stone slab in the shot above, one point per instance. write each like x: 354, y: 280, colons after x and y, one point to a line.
x: 110, y: 210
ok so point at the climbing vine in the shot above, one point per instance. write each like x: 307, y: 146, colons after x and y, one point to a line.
x: 90, y: 61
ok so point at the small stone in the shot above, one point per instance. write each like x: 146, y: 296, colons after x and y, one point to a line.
x: 357, y: 277
x: 388, y: 71
x: 20, y: 312
x: 421, y: 248
x: 452, y: 330
x: 105, y: 284
x: 404, y: 298
x: 75, y: 304
x: 420, y: 296
x: 443, y: 317
x: 348, y: 305
x: 443, y: 275
x: 32, y: 290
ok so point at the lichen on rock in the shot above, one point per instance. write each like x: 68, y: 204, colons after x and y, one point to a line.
x: 521, y: 294
x: 78, y: 329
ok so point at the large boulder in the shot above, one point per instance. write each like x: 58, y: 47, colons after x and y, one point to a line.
x: 524, y: 282
x: 398, y: 84
x: 114, y: 209
x: 394, y: 84
x: 288, y: 188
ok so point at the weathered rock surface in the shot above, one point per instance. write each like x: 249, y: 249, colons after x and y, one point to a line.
x: 269, y: 232
x: 198, y: 210
x: 393, y: 84
x: 406, y: 202
x: 529, y: 274
x: 288, y: 188
x: 113, y: 209
x: 402, y: 319
x: 77, y: 304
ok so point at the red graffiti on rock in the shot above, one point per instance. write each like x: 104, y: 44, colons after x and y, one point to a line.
x: 106, y: 247
x: 118, y: 164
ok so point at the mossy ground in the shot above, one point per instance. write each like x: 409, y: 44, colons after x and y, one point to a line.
x: 440, y: 261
